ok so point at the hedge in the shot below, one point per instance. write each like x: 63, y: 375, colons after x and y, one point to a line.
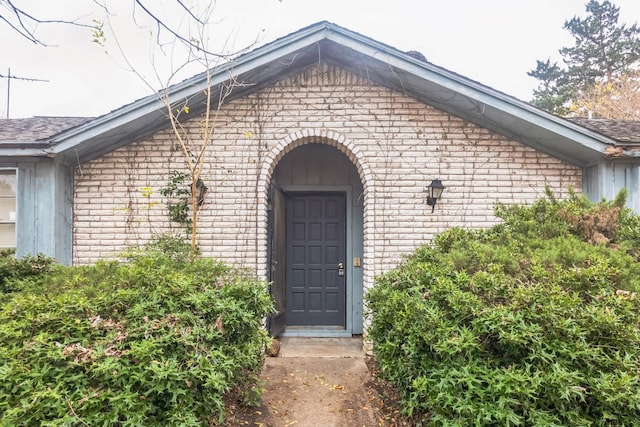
x: 160, y: 337
x: 534, y: 322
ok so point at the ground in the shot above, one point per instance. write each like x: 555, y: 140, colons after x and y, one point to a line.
x: 321, y: 390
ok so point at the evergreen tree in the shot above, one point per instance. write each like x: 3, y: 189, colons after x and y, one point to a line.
x: 604, y: 50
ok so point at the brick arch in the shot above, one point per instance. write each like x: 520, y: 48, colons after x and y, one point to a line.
x: 354, y: 154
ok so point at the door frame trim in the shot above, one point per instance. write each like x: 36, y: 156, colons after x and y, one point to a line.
x: 347, y: 192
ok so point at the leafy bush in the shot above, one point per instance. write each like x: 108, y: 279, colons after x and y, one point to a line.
x: 534, y: 322
x: 160, y: 338
x: 13, y: 270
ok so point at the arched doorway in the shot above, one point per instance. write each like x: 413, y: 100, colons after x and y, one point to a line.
x: 316, y: 243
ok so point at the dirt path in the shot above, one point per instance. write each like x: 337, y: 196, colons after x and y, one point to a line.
x: 318, y: 392
x: 317, y: 385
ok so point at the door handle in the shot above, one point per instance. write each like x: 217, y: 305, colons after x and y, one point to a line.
x: 340, y: 269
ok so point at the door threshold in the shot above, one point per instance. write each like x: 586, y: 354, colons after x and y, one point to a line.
x: 316, y: 332
x: 321, y: 347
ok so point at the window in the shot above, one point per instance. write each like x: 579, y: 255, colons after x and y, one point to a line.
x: 7, y: 209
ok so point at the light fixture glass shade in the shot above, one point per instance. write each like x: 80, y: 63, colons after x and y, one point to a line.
x: 435, y: 190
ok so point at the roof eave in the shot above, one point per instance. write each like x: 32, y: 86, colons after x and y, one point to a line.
x: 19, y: 150
x: 528, y: 124
x: 66, y: 141
x: 482, y: 97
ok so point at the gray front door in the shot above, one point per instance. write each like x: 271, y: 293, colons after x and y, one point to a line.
x: 316, y: 287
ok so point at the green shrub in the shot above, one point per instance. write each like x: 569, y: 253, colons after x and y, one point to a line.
x: 13, y: 270
x: 160, y: 338
x: 534, y: 322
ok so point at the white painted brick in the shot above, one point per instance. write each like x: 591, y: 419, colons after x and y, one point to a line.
x: 398, y: 144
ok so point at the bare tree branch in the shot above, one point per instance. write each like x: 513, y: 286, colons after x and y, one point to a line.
x: 188, y: 10
x: 26, y: 24
x: 188, y: 36
x: 23, y: 32
x: 190, y: 43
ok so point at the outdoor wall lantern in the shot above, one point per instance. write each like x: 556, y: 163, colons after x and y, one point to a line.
x: 202, y: 189
x: 434, y: 193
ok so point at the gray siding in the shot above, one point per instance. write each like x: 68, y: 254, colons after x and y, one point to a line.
x: 45, y: 210
x: 606, y: 179
x: 633, y: 184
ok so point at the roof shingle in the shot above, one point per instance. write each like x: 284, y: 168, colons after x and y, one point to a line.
x: 36, y: 128
x: 624, y: 131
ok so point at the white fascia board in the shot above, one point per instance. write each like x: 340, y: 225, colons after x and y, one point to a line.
x: 68, y: 140
x: 22, y: 152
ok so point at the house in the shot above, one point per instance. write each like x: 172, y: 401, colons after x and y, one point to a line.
x: 317, y: 176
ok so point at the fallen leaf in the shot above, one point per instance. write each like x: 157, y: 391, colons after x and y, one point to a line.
x: 218, y: 324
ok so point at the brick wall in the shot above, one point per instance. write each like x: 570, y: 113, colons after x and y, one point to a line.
x: 397, y: 143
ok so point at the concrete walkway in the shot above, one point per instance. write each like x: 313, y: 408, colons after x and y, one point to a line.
x: 318, y: 382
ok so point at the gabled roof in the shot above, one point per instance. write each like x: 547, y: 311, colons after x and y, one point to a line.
x: 339, y: 46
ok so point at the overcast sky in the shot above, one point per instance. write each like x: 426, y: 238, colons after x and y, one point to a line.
x: 492, y: 41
